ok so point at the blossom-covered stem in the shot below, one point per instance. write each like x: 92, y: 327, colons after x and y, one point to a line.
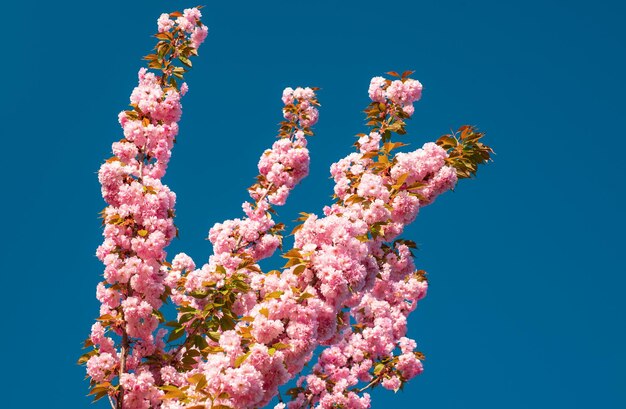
x: 277, y: 320
x: 377, y: 195
x: 240, y: 238
x: 213, y: 298
x: 139, y: 225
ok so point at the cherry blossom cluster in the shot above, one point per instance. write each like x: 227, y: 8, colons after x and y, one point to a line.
x: 239, y: 333
x: 401, y: 92
x: 138, y: 225
x: 254, y: 381
x: 340, y: 271
x: 370, y: 286
x: 188, y: 23
x: 255, y: 236
x: 281, y: 168
x: 139, y: 219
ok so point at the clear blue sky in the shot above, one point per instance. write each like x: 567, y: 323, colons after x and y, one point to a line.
x: 526, y: 307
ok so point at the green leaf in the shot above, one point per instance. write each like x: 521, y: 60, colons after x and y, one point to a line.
x: 99, y: 395
x: 293, y: 253
x: 159, y: 315
x: 447, y: 142
x: 299, y: 269
x: 185, y: 61
x: 85, y: 357
x: 155, y: 65
x: 100, y: 390
x: 274, y: 294
x: 214, y: 335
x: 174, y: 394
x: 177, y: 333
x: 227, y: 323
x: 304, y: 296
x: 241, y: 358
x: 281, y: 345
x: 198, y: 379
x: 186, y: 317
x: 292, y: 262
x: 400, y: 181
x: 164, y: 36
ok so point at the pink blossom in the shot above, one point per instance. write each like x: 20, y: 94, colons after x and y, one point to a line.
x: 369, y: 143
x: 185, y: 24
x: 101, y: 367
x: 372, y: 186
x: 408, y: 109
x: 140, y: 390
x: 184, y: 88
x: 244, y: 385
x: 409, y: 366
x: 164, y: 23
x: 376, y: 89
x: 407, y: 345
x: 192, y: 14
x: 288, y: 97
x: 198, y: 36
x: 392, y: 383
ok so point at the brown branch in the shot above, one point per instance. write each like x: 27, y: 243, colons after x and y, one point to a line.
x: 123, y: 353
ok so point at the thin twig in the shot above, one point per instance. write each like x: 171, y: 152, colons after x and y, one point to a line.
x: 373, y: 383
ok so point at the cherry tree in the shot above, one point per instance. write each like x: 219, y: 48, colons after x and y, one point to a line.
x: 240, y: 333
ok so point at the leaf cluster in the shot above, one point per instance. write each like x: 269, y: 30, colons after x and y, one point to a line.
x: 465, y: 150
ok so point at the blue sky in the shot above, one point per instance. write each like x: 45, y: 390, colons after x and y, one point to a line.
x: 526, y: 305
